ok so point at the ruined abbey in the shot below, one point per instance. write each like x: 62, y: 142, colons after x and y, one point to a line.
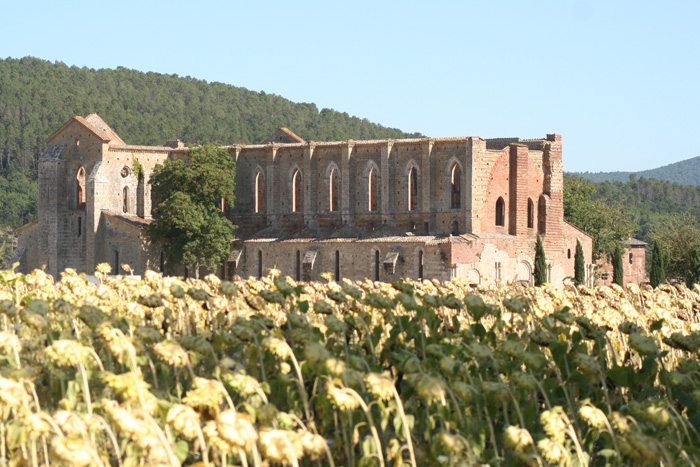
x: 463, y: 207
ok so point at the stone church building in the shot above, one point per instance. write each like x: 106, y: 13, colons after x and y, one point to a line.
x: 443, y: 208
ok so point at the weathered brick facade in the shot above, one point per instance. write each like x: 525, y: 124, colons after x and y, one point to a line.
x: 431, y: 207
x: 634, y: 264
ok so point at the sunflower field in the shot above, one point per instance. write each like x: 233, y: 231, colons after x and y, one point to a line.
x: 162, y: 371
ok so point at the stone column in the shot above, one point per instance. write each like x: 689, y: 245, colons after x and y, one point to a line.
x: 310, y: 188
x: 345, y: 178
x: 554, y: 187
x: 384, y: 180
x: 47, y: 234
x: 272, y: 187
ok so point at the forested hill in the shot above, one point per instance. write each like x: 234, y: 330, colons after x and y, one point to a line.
x: 647, y: 203
x: 37, y: 97
x: 685, y: 172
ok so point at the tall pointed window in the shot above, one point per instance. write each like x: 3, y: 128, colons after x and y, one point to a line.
x: 298, y: 266
x: 413, y: 189
x: 333, y: 189
x: 373, y: 190
x: 420, y: 264
x: 337, y: 265
x: 542, y: 215
x: 260, y: 265
x: 456, y: 182
x: 125, y: 200
x: 530, y: 214
x: 296, y: 191
x: 259, y: 192
x: 80, y: 188
x: 376, y: 265
x: 500, y: 212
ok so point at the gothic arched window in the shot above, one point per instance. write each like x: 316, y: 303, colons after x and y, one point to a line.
x: 296, y: 191
x: 333, y: 189
x: 456, y: 184
x: 337, y: 265
x: 373, y: 190
x: 259, y: 192
x: 80, y: 188
x: 125, y: 200
x: 530, y: 214
x: 420, y: 264
x: 260, y: 264
x: 413, y: 189
x: 376, y: 265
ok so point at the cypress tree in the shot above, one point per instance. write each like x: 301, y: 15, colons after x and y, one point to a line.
x: 540, y: 263
x: 657, y: 275
x: 694, y: 272
x: 618, y: 273
x: 579, y: 265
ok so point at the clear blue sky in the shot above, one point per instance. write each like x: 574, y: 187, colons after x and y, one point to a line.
x: 618, y: 79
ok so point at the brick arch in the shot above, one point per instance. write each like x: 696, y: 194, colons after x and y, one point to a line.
x: 473, y: 276
x: 523, y: 272
x: 332, y: 181
x: 497, y: 187
x: 371, y: 181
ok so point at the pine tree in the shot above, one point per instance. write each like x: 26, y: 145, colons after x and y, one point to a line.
x: 618, y: 272
x: 657, y: 274
x: 579, y: 265
x: 540, y: 263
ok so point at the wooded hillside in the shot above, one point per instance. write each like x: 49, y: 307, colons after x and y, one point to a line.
x: 685, y: 172
x: 37, y: 97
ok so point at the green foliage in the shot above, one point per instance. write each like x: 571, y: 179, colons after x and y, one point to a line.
x: 694, y: 272
x: 138, y: 169
x: 657, y: 274
x: 146, y: 108
x: 606, y: 222
x: 579, y: 265
x: 540, y: 263
x: 7, y: 241
x: 37, y: 97
x: 18, y: 197
x: 618, y: 270
x: 188, y: 222
x: 678, y: 237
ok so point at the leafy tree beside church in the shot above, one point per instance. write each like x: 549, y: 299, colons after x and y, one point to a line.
x: 189, y: 225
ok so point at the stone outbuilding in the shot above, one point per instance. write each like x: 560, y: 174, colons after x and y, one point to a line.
x: 463, y: 207
x: 634, y: 264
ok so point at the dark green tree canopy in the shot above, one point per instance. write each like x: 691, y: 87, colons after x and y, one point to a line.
x: 579, y: 265
x: 657, y: 275
x: 540, y: 263
x: 618, y: 270
x: 605, y: 222
x: 189, y: 225
x: 678, y: 238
